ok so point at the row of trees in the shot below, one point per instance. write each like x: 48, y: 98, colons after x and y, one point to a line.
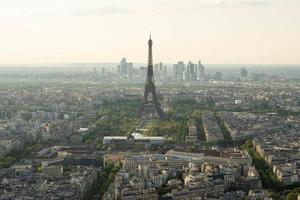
x: 104, y: 179
x: 115, y: 117
x: 269, y: 180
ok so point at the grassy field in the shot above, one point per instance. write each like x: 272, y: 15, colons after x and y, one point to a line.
x: 172, y: 130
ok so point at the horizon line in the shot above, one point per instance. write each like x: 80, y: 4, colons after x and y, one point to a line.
x: 34, y: 64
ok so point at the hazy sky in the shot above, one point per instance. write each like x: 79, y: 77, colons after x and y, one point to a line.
x: 224, y: 31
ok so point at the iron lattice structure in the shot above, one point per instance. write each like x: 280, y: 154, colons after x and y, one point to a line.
x: 150, y: 101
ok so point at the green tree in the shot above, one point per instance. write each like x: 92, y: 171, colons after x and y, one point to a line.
x: 291, y: 196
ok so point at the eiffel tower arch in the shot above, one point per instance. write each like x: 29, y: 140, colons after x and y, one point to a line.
x: 150, y: 106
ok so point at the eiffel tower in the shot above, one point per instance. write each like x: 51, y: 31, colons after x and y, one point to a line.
x: 150, y: 106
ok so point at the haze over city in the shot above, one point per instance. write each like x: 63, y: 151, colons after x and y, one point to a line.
x: 150, y: 100
x: 220, y: 32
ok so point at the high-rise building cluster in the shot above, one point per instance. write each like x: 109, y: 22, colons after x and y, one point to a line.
x: 181, y: 71
x: 160, y: 72
x: 125, y: 68
x: 189, y: 71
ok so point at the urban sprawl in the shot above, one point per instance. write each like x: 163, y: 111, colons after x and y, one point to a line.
x: 189, y: 133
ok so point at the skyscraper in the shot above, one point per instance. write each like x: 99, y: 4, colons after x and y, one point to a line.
x: 158, y: 70
x: 165, y: 73
x: 178, y: 70
x: 125, y: 68
x: 244, y: 73
x: 150, y: 106
x: 201, y: 70
x: 191, y: 71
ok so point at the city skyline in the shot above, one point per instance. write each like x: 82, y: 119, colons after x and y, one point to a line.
x: 219, y: 32
x: 150, y: 100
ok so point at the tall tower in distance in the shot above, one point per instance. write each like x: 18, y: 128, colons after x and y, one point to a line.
x: 150, y: 106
